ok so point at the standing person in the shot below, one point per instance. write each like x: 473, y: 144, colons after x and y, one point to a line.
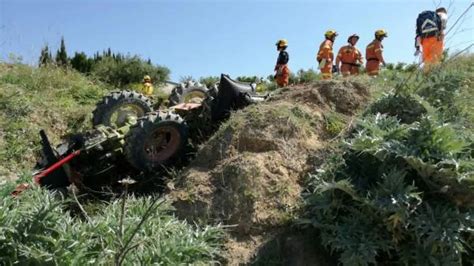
x: 325, y: 55
x: 147, y: 87
x: 282, y: 72
x: 350, y: 57
x: 374, y: 53
x: 430, y: 26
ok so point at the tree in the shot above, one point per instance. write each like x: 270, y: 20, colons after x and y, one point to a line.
x: 61, y: 55
x: 45, y: 57
x: 209, y: 81
x: 186, y: 79
x: 81, y: 63
x: 400, y: 66
x: 248, y: 79
x: 127, y: 70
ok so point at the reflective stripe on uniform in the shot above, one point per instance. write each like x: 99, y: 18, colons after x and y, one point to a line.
x: 431, y: 29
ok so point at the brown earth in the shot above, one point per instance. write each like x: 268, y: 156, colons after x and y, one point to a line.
x: 249, y: 176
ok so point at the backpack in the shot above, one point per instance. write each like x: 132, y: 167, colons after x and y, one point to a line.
x: 428, y: 24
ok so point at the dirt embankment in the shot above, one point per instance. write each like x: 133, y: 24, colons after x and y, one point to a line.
x: 249, y: 175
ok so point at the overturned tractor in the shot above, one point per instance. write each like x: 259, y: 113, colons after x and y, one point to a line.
x: 129, y: 137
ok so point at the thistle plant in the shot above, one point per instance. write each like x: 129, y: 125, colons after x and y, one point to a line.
x: 401, y: 188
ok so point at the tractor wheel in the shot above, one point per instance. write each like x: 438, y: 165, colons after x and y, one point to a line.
x: 191, y: 93
x: 115, y: 108
x: 158, y: 139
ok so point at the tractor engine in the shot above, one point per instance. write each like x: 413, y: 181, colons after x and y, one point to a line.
x: 86, y: 159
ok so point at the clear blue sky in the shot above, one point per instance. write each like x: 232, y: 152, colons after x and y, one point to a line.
x: 201, y: 38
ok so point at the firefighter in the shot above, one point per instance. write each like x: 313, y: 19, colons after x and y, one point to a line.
x: 147, y: 87
x: 430, y: 26
x: 282, y: 72
x: 350, y: 57
x: 325, y: 55
x: 374, y: 53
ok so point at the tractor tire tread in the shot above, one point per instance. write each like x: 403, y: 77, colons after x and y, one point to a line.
x: 135, y: 139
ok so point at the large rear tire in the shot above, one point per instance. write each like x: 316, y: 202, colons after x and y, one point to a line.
x: 115, y: 109
x: 188, y: 93
x: 156, y: 140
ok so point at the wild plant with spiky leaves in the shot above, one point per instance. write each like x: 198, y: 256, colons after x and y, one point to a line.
x: 397, y: 192
x: 42, y: 228
x: 401, y: 191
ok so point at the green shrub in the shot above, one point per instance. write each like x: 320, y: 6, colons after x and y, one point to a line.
x: 411, y: 67
x: 128, y: 70
x: 248, y: 79
x: 334, y: 123
x: 209, y: 81
x: 401, y: 188
x: 307, y: 76
x: 407, y: 108
x: 400, y: 66
x: 39, y: 228
x: 396, y: 193
x: 440, y: 88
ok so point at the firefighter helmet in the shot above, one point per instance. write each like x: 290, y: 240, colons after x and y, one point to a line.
x: 330, y: 34
x: 381, y: 33
x: 282, y: 43
x: 353, y: 36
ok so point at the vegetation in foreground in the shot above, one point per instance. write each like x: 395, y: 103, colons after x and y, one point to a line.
x: 43, y: 227
x: 400, y: 188
x: 39, y: 227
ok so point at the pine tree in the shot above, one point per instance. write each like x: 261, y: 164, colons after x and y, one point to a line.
x: 45, y: 57
x: 61, y: 55
x: 81, y: 63
x: 97, y: 57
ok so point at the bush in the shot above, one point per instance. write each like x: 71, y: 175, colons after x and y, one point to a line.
x: 390, y: 66
x: 407, y: 108
x: 307, y: 76
x: 400, y: 189
x: 440, y: 90
x: 250, y: 79
x: 334, y: 123
x: 411, y: 67
x: 40, y: 228
x: 209, y: 81
x: 396, y: 192
x: 400, y: 66
x: 127, y: 70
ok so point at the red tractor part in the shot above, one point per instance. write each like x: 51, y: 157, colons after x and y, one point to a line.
x: 37, y: 178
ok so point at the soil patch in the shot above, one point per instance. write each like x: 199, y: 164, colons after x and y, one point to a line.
x: 250, y: 174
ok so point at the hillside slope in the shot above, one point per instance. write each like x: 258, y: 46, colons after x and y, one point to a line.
x: 322, y: 173
x: 31, y: 99
x: 250, y: 174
